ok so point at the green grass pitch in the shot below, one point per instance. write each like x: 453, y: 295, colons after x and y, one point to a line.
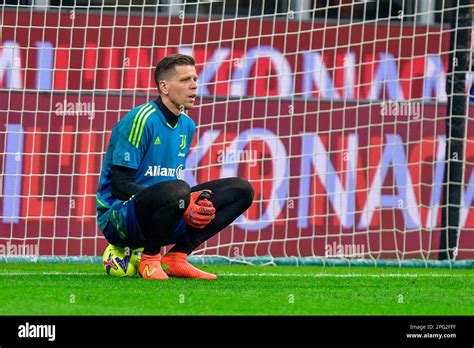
x: 85, y: 289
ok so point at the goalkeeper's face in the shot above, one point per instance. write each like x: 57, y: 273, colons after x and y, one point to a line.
x: 180, y: 87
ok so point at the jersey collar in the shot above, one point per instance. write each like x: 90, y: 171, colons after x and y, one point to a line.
x: 171, y: 119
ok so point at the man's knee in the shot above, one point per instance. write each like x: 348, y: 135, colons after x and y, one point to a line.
x: 174, y: 194
x: 177, y: 195
x: 247, y: 191
x: 182, y: 194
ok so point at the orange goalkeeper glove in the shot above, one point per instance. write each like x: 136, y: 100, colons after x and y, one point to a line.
x: 200, y: 211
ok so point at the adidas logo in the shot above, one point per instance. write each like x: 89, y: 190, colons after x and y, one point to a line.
x: 157, y: 141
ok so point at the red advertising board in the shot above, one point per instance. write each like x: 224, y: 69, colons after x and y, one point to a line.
x: 236, y: 57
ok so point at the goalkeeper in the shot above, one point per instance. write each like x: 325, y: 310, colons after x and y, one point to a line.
x: 142, y: 200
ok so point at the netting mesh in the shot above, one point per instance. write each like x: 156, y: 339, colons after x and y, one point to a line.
x: 335, y: 111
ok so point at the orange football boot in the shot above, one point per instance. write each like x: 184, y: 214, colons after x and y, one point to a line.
x: 176, y: 265
x: 150, y: 267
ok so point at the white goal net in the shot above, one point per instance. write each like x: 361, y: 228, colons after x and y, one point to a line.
x: 335, y: 111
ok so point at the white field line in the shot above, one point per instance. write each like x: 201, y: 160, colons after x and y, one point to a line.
x: 347, y: 275
x: 290, y: 275
x: 6, y: 274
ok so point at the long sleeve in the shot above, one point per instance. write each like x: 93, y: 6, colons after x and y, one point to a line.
x: 123, y: 187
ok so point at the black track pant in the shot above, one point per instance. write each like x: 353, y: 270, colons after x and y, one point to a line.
x: 159, y: 210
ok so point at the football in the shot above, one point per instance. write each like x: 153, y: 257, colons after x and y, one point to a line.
x: 121, y: 262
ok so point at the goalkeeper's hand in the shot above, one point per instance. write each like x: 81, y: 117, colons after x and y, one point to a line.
x: 200, y: 211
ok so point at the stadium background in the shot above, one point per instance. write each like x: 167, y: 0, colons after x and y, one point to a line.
x: 103, y: 58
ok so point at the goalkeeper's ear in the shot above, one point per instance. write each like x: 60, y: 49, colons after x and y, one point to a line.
x: 162, y: 87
